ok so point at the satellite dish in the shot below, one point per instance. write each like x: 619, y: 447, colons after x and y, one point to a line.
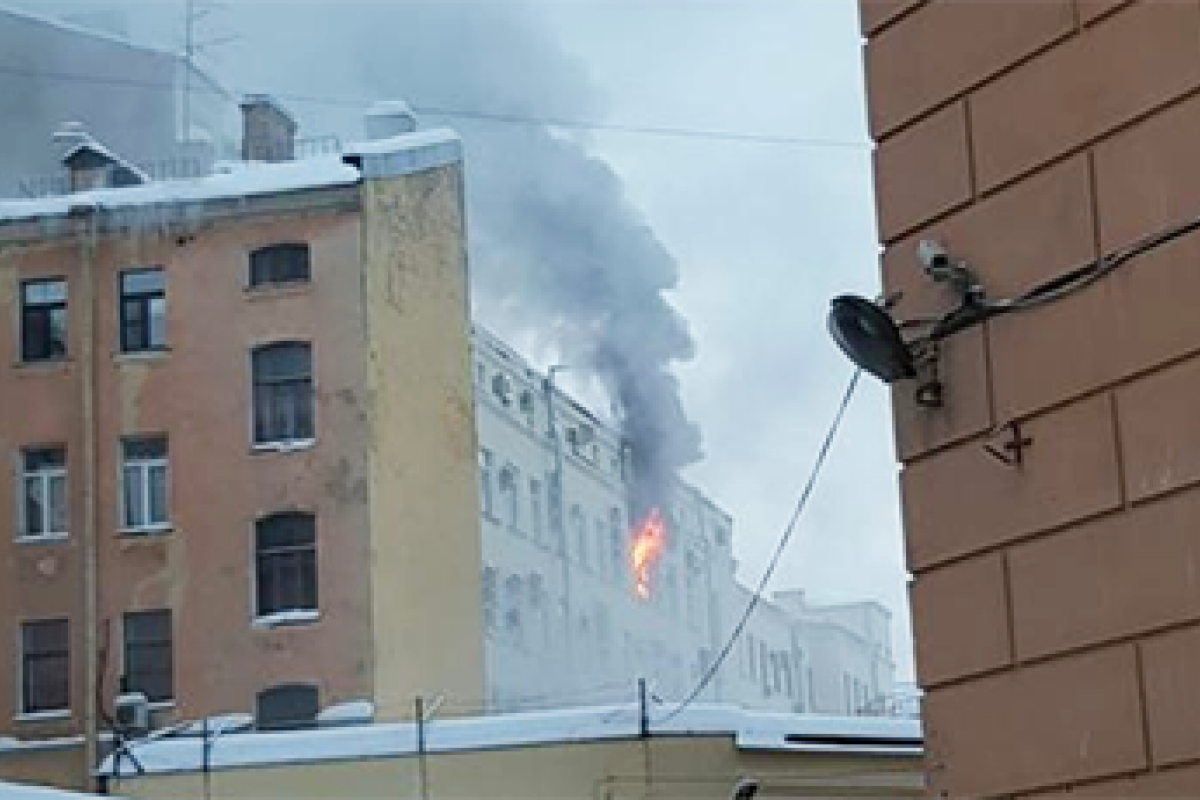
x: 869, y: 337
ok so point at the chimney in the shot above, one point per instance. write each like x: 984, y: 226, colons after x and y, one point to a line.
x: 268, y: 131
x: 389, y: 118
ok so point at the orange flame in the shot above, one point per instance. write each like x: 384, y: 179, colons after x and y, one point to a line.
x: 648, y: 544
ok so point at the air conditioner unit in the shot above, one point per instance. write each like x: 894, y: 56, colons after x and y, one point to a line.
x: 131, y: 713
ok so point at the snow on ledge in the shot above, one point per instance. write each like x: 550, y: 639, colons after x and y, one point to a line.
x: 21, y: 791
x: 751, y: 730
x: 354, y: 712
x: 284, y: 618
x: 247, y: 180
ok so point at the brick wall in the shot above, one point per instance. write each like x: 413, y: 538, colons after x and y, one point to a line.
x: 1056, y: 604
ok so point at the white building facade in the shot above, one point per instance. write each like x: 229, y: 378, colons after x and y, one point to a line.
x: 563, y: 621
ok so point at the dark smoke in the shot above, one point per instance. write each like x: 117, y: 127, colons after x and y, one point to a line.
x: 557, y: 249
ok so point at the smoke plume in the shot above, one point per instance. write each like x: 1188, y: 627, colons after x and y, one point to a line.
x: 557, y: 248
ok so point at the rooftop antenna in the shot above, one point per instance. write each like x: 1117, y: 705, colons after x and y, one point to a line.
x: 194, y: 12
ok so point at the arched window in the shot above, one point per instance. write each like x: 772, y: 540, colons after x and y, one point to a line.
x: 283, y: 392
x: 286, y: 707
x: 280, y: 263
x: 285, y: 549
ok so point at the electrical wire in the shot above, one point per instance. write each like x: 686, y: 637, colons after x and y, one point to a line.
x: 1068, y: 283
x: 801, y: 503
x: 466, y: 114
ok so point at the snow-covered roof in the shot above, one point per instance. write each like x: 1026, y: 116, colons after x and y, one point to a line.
x: 22, y: 791
x: 751, y: 731
x: 399, y: 155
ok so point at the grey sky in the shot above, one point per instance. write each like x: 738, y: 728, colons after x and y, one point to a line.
x: 763, y: 235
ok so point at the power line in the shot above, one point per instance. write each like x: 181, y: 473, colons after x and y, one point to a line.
x: 818, y: 465
x: 477, y: 116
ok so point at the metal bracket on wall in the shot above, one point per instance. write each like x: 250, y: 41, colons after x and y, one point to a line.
x: 1007, y: 444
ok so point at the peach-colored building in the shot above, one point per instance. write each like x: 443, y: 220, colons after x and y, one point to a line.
x: 1056, y: 600
x: 238, y: 416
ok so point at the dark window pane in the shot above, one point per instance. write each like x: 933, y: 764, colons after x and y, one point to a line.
x: 144, y: 447
x: 143, y: 310
x: 286, y: 566
x: 283, y: 263
x: 149, y: 654
x: 45, y: 673
x: 283, y: 392
x: 287, y: 707
x: 43, y: 320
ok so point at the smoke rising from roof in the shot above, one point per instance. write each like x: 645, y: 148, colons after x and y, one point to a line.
x: 558, y: 250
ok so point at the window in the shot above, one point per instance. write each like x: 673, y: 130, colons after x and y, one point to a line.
x: 283, y: 393
x: 44, y: 493
x: 144, y: 483
x: 616, y: 543
x: 45, y: 667
x: 489, y: 597
x: 286, y: 555
x: 510, y: 479
x: 44, y: 320
x: 537, y: 606
x: 143, y: 310
x: 280, y: 263
x: 485, y: 482
x: 601, y: 544
x: 535, y: 507
x: 287, y: 707
x: 149, y: 655
x: 514, y: 592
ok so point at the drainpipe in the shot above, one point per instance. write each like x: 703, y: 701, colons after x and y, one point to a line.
x: 88, y: 247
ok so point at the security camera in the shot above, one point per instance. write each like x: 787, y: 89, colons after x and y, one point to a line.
x: 934, y: 258
x: 941, y: 268
x: 745, y: 789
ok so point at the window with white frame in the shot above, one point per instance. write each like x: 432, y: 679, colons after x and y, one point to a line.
x: 144, y: 505
x: 44, y: 506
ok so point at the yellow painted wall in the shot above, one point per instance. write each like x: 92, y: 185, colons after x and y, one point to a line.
x: 424, y: 506
x: 700, y: 768
x: 61, y: 767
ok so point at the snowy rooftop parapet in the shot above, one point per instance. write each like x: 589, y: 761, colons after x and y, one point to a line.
x: 406, y: 153
x: 751, y: 731
x: 399, y: 155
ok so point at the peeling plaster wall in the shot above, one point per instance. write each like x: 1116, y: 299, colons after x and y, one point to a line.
x: 424, y: 506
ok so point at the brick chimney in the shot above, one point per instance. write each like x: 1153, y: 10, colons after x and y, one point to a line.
x: 268, y: 131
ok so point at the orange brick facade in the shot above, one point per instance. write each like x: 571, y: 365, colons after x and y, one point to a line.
x: 1056, y: 604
